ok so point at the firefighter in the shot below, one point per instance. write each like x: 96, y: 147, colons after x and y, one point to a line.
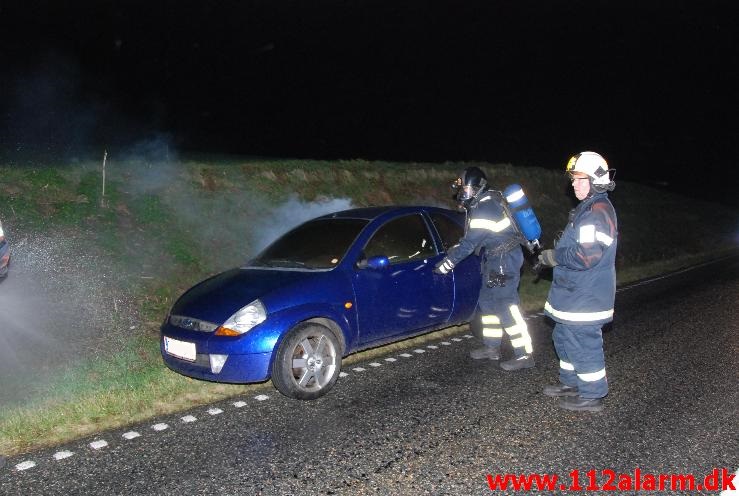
x: 583, y: 288
x: 491, y: 231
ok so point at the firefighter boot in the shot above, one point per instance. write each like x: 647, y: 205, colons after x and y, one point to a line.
x: 522, y: 362
x: 485, y: 352
x: 579, y: 404
x: 560, y: 390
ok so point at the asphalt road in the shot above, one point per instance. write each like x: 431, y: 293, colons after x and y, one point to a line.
x: 438, y: 422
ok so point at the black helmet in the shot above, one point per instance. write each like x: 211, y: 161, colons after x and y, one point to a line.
x: 469, y: 185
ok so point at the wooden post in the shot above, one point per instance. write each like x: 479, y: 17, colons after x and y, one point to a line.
x: 102, y: 198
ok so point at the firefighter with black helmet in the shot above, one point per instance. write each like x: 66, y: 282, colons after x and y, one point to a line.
x: 583, y: 289
x: 491, y: 230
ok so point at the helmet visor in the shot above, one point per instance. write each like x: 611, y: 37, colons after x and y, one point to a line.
x: 465, y: 193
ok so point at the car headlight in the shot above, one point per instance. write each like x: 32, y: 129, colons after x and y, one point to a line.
x: 249, y: 316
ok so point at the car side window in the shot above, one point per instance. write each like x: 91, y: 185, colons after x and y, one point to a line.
x: 449, y: 231
x: 401, y: 240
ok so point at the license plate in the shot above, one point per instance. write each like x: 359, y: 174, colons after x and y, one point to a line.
x: 180, y: 349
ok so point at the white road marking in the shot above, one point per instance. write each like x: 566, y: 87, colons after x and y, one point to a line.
x: 61, y: 455
x: 432, y: 347
x: 99, y: 444
x: 468, y: 336
x: 25, y: 465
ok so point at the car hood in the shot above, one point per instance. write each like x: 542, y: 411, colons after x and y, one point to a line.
x: 219, y: 297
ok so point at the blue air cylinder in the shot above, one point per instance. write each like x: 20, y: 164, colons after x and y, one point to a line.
x: 523, y: 214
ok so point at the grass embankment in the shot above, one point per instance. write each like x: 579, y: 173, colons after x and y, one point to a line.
x: 166, y: 226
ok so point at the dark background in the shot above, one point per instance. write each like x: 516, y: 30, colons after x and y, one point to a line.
x: 652, y: 85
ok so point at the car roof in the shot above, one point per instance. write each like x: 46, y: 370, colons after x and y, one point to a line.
x: 369, y: 213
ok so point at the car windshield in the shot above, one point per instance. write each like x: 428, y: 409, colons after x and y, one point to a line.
x: 317, y: 244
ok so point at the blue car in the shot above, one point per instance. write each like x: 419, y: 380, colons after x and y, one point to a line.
x: 332, y: 286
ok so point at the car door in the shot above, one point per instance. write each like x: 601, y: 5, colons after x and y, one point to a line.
x: 405, y: 295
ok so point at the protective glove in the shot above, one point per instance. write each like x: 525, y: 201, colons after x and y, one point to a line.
x: 443, y: 267
x: 546, y: 258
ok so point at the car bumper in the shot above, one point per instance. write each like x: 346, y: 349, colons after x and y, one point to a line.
x: 239, y: 369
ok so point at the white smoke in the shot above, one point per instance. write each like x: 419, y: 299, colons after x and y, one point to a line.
x: 291, y: 214
x: 60, y: 304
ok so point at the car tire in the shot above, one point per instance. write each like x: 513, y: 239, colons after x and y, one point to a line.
x: 308, y: 362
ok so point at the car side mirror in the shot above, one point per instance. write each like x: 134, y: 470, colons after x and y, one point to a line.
x: 378, y: 262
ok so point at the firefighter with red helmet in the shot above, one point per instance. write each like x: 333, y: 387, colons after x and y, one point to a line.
x: 490, y: 230
x: 583, y: 290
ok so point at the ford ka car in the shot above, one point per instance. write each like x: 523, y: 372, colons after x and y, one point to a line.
x: 332, y: 286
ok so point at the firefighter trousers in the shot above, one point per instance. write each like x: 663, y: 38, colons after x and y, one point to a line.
x: 499, y: 311
x: 581, y: 360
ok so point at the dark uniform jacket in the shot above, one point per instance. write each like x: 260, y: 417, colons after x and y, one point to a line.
x: 584, y: 286
x: 490, y: 228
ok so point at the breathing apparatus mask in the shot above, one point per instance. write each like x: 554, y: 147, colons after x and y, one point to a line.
x: 469, y: 186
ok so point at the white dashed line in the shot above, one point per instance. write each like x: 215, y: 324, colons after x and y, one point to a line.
x: 61, y: 455
x: 100, y: 444
x: 25, y: 465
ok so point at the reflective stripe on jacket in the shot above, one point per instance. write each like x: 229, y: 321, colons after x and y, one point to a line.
x: 488, y: 226
x: 584, y: 285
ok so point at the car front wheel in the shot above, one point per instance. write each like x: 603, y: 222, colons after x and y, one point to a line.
x: 307, y: 363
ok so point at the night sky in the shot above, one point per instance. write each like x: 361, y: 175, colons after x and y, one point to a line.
x: 653, y: 88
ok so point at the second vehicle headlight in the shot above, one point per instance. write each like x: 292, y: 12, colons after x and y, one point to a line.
x: 247, y: 317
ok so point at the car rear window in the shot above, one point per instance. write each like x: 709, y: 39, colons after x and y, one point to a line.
x: 317, y: 244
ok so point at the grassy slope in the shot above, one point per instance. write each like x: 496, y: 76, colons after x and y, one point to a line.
x: 165, y: 226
